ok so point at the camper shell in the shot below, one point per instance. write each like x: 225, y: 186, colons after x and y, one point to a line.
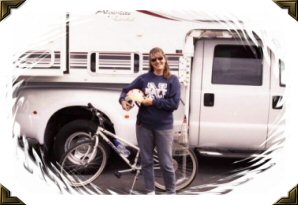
x: 232, y: 81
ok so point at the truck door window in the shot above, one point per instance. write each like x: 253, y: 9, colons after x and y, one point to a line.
x: 282, y: 82
x: 237, y: 65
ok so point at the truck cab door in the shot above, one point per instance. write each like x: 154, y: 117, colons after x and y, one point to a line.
x: 234, y: 95
x: 276, y: 122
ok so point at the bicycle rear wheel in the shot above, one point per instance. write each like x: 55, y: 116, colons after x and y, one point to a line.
x: 185, y: 165
x: 83, y: 163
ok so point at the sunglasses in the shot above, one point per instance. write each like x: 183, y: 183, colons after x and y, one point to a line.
x: 155, y: 59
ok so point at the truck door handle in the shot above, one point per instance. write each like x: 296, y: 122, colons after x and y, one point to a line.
x: 276, y: 102
x: 209, y: 99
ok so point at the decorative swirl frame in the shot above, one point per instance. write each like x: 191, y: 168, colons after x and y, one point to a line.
x: 7, y: 5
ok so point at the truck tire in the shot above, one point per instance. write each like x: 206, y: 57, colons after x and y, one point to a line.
x: 73, y: 133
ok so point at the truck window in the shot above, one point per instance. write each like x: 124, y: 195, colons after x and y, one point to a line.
x: 282, y: 82
x: 237, y: 65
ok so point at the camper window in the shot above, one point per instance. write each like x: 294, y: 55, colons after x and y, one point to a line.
x: 93, y: 62
x: 136, y: 63
x: 173, y: 60
x: 115, y: 62
x: 237, y: 65
x: 78, y: 60
x: 39, y: 60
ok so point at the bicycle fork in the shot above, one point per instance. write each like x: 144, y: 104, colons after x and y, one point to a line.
x: 134, y: 181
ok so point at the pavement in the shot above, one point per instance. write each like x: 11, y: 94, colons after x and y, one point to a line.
x: 213, y: 172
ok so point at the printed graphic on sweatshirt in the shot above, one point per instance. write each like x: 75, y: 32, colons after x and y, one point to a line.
x: 156, y: 92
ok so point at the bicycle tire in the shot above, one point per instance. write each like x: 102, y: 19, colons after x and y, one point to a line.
x: 77, y: 168
x: 185, y: 165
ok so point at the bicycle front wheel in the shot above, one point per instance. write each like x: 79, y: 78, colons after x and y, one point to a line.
x: 83, y: 163
x: 185, y: 165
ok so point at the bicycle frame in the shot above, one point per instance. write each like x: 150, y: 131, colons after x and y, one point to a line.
x: 184, y: 159
x: 103, y: 133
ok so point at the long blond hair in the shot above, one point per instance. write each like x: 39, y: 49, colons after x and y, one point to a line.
x: 166, y: 72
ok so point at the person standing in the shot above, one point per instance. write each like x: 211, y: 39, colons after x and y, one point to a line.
x: 154, y: 125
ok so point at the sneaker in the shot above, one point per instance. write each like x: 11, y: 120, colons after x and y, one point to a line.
x: 151, y: 193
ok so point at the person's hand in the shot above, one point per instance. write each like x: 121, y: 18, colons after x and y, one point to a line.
x: 126, y: 105
x: 147, y: 101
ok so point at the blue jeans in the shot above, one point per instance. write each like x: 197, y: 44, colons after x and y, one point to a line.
x: 148, y: 139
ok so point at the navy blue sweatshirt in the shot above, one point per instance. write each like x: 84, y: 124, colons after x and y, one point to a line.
x: 165, y: 94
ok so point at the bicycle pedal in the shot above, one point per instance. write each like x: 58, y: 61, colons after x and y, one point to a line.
x: 117, y: 174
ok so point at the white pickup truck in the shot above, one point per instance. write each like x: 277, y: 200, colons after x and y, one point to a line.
x: 232, y: 81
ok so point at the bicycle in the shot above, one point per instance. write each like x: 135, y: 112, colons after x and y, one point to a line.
x: 85, y: 161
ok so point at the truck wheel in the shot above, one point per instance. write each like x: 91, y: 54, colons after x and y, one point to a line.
x: 73, y: 133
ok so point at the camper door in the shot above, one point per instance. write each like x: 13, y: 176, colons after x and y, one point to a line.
x: 234, y: 95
